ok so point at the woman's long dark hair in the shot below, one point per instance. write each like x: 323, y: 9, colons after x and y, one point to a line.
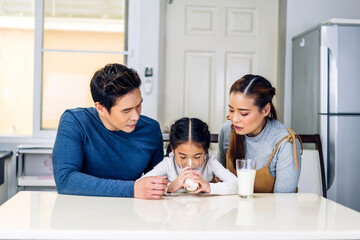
x: 261, y: 90
x: 189, y: 130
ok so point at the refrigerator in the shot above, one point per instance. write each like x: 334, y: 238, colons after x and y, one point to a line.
x: 326, y: 100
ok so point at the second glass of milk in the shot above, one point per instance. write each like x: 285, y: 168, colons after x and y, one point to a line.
x: 246, y: 171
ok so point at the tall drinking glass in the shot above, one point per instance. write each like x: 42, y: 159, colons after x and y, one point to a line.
x: 246, y: 171
x: 194, y: 165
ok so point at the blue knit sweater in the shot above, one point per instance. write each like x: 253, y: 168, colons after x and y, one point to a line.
x: 89, y: 159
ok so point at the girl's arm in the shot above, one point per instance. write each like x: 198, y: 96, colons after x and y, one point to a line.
x: 161, y: 169
x: 229, y: 184
x: 166, y: 168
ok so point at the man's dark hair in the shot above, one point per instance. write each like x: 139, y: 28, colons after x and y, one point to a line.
x: 111, y: 82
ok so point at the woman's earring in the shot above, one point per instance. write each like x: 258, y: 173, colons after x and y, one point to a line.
x: 227, y: 117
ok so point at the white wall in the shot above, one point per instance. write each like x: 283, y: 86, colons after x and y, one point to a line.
x: 146, y: 45
x: 302, y: 15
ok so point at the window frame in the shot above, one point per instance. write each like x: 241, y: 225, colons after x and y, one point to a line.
x: 145, y: 20
x: 38, y: 62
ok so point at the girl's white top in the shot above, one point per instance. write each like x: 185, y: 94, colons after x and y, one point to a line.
x: 229, y: 185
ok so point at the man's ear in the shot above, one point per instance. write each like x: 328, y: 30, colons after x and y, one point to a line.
x: 100, y: 108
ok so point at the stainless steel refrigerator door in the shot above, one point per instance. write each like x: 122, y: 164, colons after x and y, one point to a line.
x: 344, y: 70
x: 344, y: 160
x: 305, y: 83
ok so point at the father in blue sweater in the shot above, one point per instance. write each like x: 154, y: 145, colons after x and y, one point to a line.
x: 102, y: 151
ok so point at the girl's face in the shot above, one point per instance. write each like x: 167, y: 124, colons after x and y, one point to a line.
x: 245, y: 116
x: 186, y: 151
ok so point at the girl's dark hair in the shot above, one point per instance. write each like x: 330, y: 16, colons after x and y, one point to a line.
x: 261, y: 90
x: 189, y: 130
x: 111, y: 82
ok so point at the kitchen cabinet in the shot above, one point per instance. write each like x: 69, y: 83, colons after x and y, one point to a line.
x: 34, y: 167
x: 5, y: 157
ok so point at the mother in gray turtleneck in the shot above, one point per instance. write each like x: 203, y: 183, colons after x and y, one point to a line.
x: 254, y: 132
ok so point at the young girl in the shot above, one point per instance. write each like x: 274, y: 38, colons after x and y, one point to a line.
x: 188, y: 163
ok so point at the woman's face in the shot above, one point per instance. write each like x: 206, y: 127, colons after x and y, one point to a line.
x: 186, y: 151
x: 245, y: 116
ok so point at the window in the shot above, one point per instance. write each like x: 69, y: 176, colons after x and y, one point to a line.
x: 79, y: 37
x: 72, y: 39
x: 16, y: 67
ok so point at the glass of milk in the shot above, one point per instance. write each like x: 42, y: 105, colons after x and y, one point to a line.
x: 246, y: 171
x: 194, y: 165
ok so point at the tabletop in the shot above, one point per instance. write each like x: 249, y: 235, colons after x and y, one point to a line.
x: 49, y: 215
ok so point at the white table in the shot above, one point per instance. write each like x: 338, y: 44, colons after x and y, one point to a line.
x: 48, y: 215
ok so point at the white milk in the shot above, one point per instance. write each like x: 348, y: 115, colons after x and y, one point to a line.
x: 192, y: 185
x: 246, y: 180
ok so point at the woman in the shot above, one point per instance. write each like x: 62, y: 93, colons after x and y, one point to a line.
x: 254, y: 132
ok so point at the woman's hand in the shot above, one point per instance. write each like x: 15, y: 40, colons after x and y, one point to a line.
x: 179, y: 182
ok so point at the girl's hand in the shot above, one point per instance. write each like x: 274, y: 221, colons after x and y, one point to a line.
x: 179, y: 182
x: 204, y: 186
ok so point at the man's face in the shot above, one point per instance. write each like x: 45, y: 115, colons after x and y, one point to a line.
x: 124, y: 114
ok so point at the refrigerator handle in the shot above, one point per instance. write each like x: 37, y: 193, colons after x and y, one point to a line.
x: 323, y: 108
x: 332, y: 125
x: 333, y: 83
x: 324, y: 79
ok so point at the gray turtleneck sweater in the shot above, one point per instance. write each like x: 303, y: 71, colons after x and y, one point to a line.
x: 260, y: 147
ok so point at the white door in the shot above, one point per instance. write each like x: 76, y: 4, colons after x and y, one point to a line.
x: 209, y: 44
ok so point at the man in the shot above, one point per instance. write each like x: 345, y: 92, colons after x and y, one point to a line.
x: 101, y: 151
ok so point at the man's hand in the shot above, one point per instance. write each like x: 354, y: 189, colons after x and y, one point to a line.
x: 150, y: 187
